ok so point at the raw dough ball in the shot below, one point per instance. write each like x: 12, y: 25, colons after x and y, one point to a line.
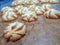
x: 8, y: 14
x: 29, y: 16
x: 14, y: 31
x: 52, y: 13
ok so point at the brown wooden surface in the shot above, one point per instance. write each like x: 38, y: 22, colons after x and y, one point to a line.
x: 41, y: 32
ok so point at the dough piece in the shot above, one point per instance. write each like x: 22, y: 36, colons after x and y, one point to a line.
x: 38, y: 10
x: 46, y: 6
x: 52, y: 13
x: 8, y: 14
x: 34, y: 1
x: 14, y: 31
x: 19, y: 9
x: 29, y: 16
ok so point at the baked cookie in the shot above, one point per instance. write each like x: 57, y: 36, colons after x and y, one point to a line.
x: 25, y: 9
x: 26, y: 2
x: 19, y: 9
x: 29, y: 16
x: 52, y: 13
x: 48, y: 1
x: 9, y: 14
x: 32, y: 7
x: 37, y: 9
x: 34, y: 1
x: 53, y: 0
x: 17, y: 2
x: 46, y: 6
x: 14, y: 31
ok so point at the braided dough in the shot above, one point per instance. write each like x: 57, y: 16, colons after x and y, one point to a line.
x: 52, y: 13
x: 14, y: 31
x: 9, y: 14
x: 24, y: 2
x: 48, y: 0
x: 29, y: 16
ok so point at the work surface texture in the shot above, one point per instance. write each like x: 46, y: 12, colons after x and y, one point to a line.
x: 41, y: 32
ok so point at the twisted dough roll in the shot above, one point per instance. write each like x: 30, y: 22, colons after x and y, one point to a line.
x: 8, y: 14
x: 24, y: 2
x: 52, y: 13
x: 48, y: 0
x: 14, y: 31
x: 29, y: 16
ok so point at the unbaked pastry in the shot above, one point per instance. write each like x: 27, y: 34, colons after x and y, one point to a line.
x: 8, y: 14
x: 29, y: 16
x: 14, y: 31
x: 52, y: 13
